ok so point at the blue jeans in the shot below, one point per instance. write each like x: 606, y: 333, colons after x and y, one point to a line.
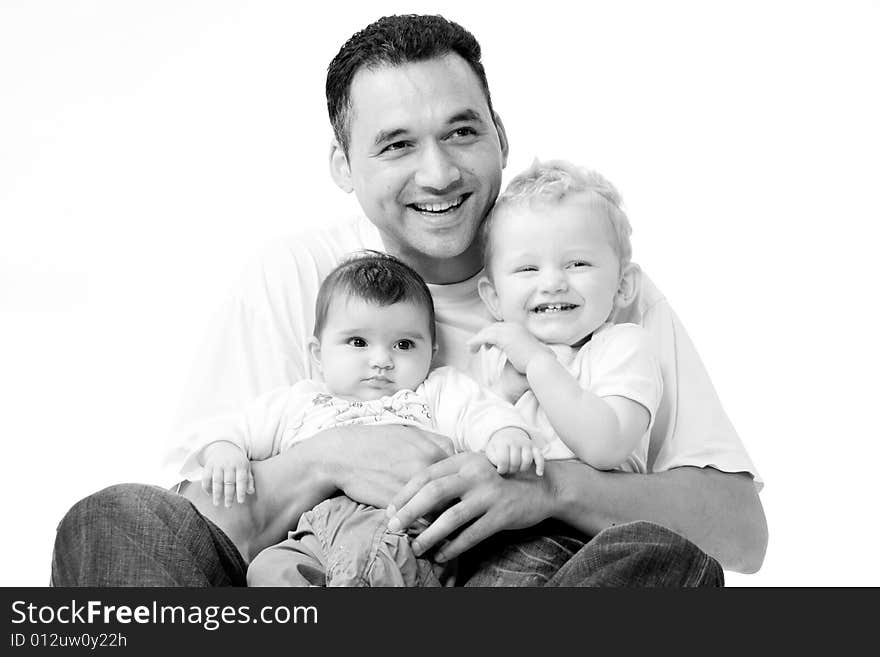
x: 553, y: 554
x: 137, y: 535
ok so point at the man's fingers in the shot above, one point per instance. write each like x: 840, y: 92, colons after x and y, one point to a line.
x: 433, y: 495
x: 206, y: 480
x: 446, y: 523
x: 439, y: 469
x: 427, y: 492
x: 479, y: 530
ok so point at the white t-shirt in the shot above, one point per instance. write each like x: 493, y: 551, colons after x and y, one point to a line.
x: 259, y: 342
x: 448, y: 403
x: 617, y: 361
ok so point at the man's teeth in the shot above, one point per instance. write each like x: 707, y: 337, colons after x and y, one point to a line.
x: 438, y: 207
x: 552, y: 307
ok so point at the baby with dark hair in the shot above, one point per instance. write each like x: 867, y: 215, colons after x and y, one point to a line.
x: 373, y: 343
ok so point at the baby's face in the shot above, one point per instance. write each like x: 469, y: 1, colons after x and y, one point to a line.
x: 554, y: 269
x: 368, y: 351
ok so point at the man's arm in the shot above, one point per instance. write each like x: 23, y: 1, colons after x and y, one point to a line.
x: 719, y: 512
x: 369, y: 464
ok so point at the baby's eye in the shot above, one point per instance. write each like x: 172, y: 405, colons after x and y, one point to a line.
x: 405, y: 345
x: 526, y: 268
x: 357, y: 342
x: 579, y: 263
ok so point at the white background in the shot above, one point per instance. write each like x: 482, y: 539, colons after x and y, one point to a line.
x: 147, y: 149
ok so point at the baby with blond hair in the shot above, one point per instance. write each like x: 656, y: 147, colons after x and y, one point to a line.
x: 557, y: 260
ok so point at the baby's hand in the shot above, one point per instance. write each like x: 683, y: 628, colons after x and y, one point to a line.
x: 511, y: 450
x: 514, y: 340
x: 227, y: 472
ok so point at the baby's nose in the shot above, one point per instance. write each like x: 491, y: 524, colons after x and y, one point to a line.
x: 381, y: 358
x: 554, y: 280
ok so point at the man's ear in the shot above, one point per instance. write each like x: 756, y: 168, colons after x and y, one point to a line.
x: 628, y: 286
x: 502, y: 137
x: 314, y: 346
x: 487, y: 293
x: 340, y: 170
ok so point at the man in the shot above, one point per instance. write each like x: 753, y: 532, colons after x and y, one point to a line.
x: 418, y: 142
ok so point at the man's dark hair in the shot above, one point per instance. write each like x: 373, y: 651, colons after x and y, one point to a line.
x: 395, y: 40
x: 377, y: 278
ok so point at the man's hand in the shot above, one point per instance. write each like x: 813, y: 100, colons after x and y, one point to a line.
x: 479, y: 495
x: 514, y: 340
x: 227, y: 473
x: 371, y: 464
x: 511, y: 450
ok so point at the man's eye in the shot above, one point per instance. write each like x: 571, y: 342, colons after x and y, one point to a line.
x: 463, y: 133
x: 357, y: 342
x: 405, y: 345
x: 396, y: 146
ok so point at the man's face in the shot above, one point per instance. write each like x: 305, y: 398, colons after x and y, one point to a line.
x: 553, y: 268
x: 425, y: 160
x: 367, y: 351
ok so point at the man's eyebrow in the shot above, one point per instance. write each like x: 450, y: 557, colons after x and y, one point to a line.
x: 467, y: 115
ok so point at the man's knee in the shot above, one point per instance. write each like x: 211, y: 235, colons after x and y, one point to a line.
x: 116, y: 504
x: 655, y: 555
x: 139, y: 535
x: 84, y: 537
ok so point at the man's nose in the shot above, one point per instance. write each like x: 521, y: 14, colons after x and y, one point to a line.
x: 553, y: 280
x: 436, y: 169
x: 380, y: 358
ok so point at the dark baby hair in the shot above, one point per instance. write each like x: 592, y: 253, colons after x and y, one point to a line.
x: 377, y: 278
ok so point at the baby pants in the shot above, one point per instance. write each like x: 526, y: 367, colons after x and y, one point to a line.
x: 344, y: 543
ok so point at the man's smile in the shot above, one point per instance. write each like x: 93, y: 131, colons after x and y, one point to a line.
x: 439, y: 207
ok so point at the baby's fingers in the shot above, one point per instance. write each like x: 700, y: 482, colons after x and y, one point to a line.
x: 229, y: 486
x: 217, y: 486
x: 499, y: 455
x: 525, y: 458
x: 515, y: 457
x: 251, y: 489
x: 486, y: 336
x: 242, y: 481
x: 207, y: 473
x: 539, y: 461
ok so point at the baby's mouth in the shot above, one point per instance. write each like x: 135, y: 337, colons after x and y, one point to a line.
x: 441, y: 207
x: 549, y: 308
